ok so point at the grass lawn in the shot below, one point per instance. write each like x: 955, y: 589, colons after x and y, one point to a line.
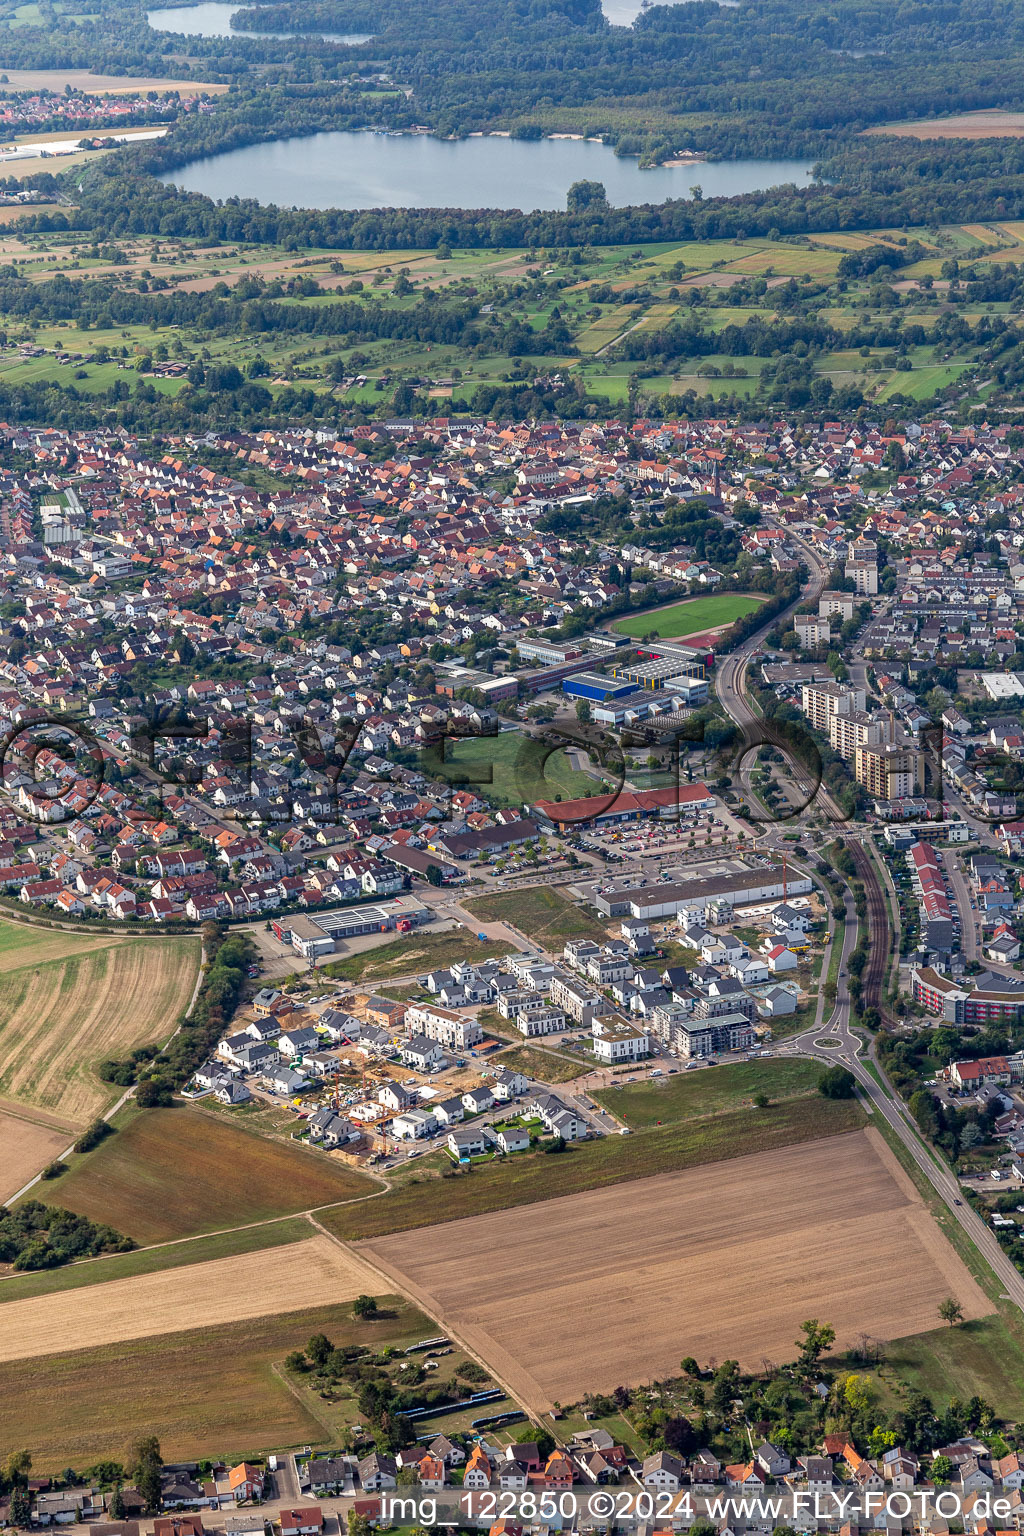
x: 178, y: 1172
x: 420, y: 1202
x: 983, y: 1357
x: 218, y: 1392
x: 418, y: 952
x: 711, y: 1091
x: 690, y: 617
x: 146, y: 1261
x: 542, y: 913
x: 510, y: 769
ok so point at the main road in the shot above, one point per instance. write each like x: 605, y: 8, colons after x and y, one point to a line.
x: 731, y: 672
x: 835, y: 1042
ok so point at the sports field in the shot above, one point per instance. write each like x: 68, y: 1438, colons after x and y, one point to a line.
x: 170, y: 1301
x: 616, y: 1286
x: 692, y: 617
x: 68, y: 1002
x: 177, y: 1172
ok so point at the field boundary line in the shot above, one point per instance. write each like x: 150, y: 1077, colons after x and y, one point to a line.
x: 428, y: 1306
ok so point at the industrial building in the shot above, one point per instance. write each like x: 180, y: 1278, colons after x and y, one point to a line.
x: 656, y: 671
x: 596, y: 687
x: 742, y: 889
x: 312, y: 936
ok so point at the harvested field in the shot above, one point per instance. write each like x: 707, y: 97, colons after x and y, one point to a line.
x: 67, y: 1003
x: 199, y: 1296
x: 102, y: 85
x: 617, y: 1285
x: 235, y: 1401
x: 533, y: 1176
x: 987, y: 124
x: 178, y: 1172
x: 25, y: 1148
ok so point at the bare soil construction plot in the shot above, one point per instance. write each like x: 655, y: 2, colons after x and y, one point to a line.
x: 25, y: 1148
x: 614, y: 1286
x: 172, y: 1301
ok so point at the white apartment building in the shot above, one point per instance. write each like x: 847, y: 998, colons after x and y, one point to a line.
x: 820, y: 701
x: 458, y: 1031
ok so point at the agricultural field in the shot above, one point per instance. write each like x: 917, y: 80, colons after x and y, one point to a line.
x: 987, y: 124
x: 26, y: 1145
x: 170, y: 1173
x: 693, y: 617
x: 590, y: 1291
x: 71, y: 1407
x: 68, y: 1002
x: 204, y: 1295
x: 711, y: 1091
x: 542, y: 912
x: 606, y: 298
x: 17, y: 1285
x: 425, y: 1198
x: 413, y: 953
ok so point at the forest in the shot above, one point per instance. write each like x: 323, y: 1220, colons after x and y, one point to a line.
x: 788, y: 77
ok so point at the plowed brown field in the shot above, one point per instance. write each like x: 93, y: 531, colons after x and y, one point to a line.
x: 613, y: 1286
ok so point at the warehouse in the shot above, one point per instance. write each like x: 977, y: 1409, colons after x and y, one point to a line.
x: 656, y: 671
x: 742, y: 889
x: 596, y: 687
x: 316, y: 936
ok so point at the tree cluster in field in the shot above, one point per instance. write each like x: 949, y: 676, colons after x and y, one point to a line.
x: 38, y: 1236
x: 384, y: 1400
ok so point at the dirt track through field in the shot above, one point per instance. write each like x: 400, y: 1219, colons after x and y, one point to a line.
x: 616, y: 1286
x: 316, y: 1272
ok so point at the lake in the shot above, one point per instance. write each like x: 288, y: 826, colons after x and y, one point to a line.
x: 376, y: 170
x: 213, y: 19
x: 623, y: 13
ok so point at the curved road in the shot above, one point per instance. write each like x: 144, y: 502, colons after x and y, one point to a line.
x: 844, y: 1047
x: 730, y: 673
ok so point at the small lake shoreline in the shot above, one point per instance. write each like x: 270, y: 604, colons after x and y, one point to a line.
x: 391, y: 168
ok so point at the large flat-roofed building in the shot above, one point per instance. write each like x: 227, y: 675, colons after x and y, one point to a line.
x: 313, y: 936
x: 958, y: 1005
x: 693, y: 1037
x: 741, y: 889
x: 656, y: 671
x: 595, y: 686
x: 847, y: 732
x: 1002, y: 685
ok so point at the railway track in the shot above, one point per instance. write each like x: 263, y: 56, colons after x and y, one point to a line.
x: 880, y: 935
